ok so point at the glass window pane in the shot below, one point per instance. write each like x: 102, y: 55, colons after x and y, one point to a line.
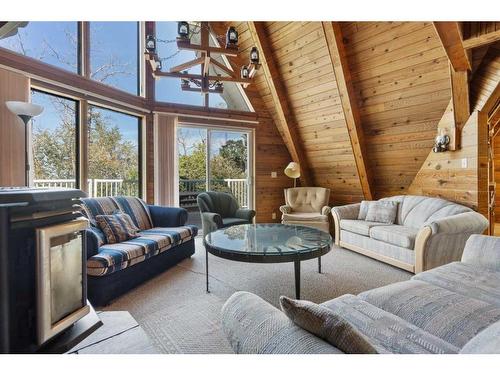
x: 113, y: 153
x: 55, y: 43
x: 169, y: 89
x: 114, y: 54
x: 54, y: 141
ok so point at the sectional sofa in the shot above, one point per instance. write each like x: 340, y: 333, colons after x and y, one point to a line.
x: 427, y: 232
x: 454, y: 308
x: 113, y: 269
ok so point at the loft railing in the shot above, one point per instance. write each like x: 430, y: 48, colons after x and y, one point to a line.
x: 96, y: 187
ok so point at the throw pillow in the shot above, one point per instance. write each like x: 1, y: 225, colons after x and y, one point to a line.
x: 328, y: 325
x: 117, y: 227
x: 363, y: 209
x: 382, y: 212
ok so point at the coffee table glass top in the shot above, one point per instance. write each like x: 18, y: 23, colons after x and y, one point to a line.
x: 268, y: 239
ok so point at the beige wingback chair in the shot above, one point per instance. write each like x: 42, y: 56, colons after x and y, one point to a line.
x: 307, y: 206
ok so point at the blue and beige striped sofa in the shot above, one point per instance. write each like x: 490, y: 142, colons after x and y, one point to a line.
x: 163, y: 241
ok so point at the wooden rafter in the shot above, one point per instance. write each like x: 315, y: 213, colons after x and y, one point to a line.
x: 451, y: 38
x: 334, y: 39
x: 482, y: 40
x: 286, y: 121
x: 184, y: 66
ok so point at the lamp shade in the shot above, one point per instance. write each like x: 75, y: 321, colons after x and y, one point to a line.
x: 293, y: 170
x: 24, y: 108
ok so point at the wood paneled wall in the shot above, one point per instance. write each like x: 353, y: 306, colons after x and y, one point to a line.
x: 13, y: 86
x: 496, y: 146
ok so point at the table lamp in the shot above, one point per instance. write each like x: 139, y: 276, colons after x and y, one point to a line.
x: 292, y: 170
x: 25, y: 111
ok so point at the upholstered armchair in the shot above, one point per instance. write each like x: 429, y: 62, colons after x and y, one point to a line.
x: 221, y: 210
x: 307, y: 206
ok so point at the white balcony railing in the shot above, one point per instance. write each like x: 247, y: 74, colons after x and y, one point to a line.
x: 96, y: 187
x: 189, y: 189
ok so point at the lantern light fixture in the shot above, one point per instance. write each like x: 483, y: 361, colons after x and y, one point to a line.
x: 151, y: 44
x: 183, y: 29
x: 254, y: 56
x: 231, y: 37
x: 245, y: 72
x: 158, y: 64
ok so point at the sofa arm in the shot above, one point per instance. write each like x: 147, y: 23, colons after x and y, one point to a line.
x: 253, y: 326
x: 326, y: 210
x: 211, y: 221
x: 443, y: 240
x: 348, y: 212
x: 483, y: 251
x: 168, y: 216
x: 91, y: 242
x: 286, y: 209
x: 245, y: 214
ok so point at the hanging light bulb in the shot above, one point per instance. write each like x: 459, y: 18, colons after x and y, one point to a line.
x: 254, y: 55
x: 151, y: 44
x: 183, y: 29
x: 231, y: 37
x: 245, y: 72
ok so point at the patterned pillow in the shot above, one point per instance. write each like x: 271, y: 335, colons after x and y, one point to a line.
x: 363, y: 209
x: 382, y: 212
x: 328, y: 325
x: 117, y: 227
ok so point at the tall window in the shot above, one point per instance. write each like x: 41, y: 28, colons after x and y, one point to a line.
x: 55, y: 43
x: 114, y: 54
x: 113, y: 152
x: 54, y: 141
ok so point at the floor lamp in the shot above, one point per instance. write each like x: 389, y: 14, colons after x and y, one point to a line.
x: 25, y: 111
x: 292, y: 170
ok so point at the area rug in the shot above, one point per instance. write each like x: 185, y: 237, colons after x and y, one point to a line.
x: 181, y: 317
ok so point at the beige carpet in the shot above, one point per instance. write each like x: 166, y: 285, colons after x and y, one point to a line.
x: 180, y: 317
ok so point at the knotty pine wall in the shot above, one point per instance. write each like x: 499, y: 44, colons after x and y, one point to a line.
x: 13, y: 86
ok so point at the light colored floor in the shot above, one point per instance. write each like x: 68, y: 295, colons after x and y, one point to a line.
x: 180, y: 317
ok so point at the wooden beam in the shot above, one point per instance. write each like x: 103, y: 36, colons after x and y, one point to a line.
x: 461, y: 105
x: 186, y: 45
x: 482, y: 40
x: 334, y: 39
x: 199, y: 77
x: 286, y: 123
x: 451, y: 38
x: 187, y: 65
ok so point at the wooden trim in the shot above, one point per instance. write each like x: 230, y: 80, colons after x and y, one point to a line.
x: 200, y: 76
x: 286, y: 123
x: 482, y: 40
x: 423, y: 236
x: 380, y: 257
x: 187, y: 65
x: 83, y: 135
x: 336, y: 225
x: 451, y: 38
x: 85, y: 48
x: 460, y: 103
x: 333, y: 35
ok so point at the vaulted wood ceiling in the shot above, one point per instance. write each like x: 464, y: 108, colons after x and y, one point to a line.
x: 400, y: 75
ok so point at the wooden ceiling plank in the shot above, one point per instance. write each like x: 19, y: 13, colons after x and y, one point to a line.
x: 334, y: 39
x: 451, y: 38
x: 280, y: 99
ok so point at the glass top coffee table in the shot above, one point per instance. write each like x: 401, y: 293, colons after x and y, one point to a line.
x: 268, y: 243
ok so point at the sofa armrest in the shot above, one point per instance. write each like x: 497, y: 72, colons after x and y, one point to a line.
x: 326, y: 210
x: 483, y: 251
x: 348, y: 212
x: 442, y: 241
x: 286, y: 209
x: 211, y: 221
x: 91, y: 242
x: 168, y: 216
x: 253, y: 326
x: 245, y: 214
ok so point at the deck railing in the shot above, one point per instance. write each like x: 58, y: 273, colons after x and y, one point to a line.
x: 189, y: 190
x: 97, y: 187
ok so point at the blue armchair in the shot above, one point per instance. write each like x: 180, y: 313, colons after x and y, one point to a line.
x: 221, y: 210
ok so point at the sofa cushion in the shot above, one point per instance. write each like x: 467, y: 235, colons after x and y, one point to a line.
x: 117, y: 227
x: 359, y: 226
x: 449, y: 315
x: 137, y: 209
x: 118, y: 256
x: 98, y: 206
x: 388, y: 333
x: 395, y: 234
x: 469, y: 280
x: 382, y: 212
x: 305, y: 216
x: 230, y: 221
x: 485, y: 342
x: 328, y: 325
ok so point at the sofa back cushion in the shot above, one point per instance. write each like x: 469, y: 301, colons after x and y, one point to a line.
x: 117, y: 227
x: 307, y: 199
x: 414, y: 211
x: 485, y: 342
x: 135, y: 207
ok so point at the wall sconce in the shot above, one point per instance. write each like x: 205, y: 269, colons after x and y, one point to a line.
x: 442, y: 141
x: 254, y: 56
x: 231, y: 38
x: 151, y: 44
x: 183, y: 29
